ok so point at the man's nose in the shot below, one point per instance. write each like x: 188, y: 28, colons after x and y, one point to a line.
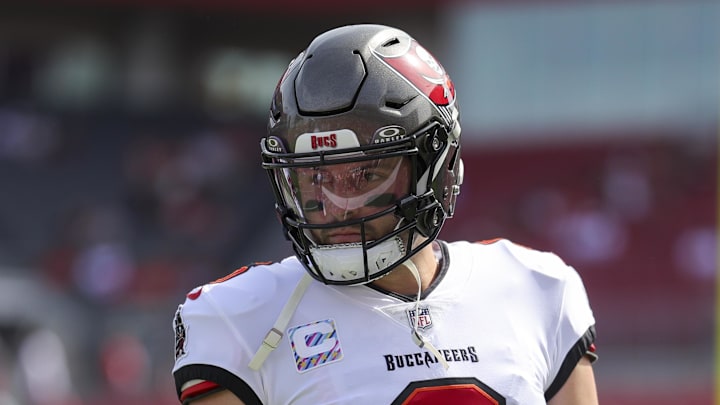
x: 339, y: 212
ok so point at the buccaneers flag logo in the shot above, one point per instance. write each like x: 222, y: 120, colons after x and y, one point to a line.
x: 421, y: 69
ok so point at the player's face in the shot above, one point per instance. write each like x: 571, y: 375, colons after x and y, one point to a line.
x: 336, y: 193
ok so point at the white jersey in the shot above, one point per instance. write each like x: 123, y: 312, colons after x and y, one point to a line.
x: 511, y: 322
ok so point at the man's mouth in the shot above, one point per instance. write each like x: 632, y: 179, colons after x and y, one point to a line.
x: 343, y: 237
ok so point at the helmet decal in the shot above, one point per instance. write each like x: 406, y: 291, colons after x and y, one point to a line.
x: 315, y: 141
x: 274, y: 144
x: 389, y: 133
x: 421, y: 69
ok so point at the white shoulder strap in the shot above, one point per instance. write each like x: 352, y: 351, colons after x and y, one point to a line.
x: 273, y: 337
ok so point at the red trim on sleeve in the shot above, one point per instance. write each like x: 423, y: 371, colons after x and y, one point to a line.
x: 198, y: 389
x: 590, y: 353
x: 488, y: 241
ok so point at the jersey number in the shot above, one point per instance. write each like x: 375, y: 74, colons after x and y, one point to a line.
x: 456, y: 391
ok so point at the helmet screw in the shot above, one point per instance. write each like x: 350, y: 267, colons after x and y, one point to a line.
x: 435, y: 143
x: 436, y: 218
x: 432, y: 143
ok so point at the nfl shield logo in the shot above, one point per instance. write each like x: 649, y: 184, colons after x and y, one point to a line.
x: 424, y: 321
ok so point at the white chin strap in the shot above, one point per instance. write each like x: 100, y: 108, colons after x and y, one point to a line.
x: 275, y: 334
x: 344, y: 262
x: 416, y: 337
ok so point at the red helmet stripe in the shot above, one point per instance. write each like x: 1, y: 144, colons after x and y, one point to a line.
x: 424, y: 72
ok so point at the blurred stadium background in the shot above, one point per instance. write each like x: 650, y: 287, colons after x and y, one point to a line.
x: 129, y: 171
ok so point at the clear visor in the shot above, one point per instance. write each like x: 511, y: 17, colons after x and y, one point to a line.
x: 344, y: 192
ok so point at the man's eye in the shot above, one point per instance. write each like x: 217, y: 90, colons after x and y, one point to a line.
x: 371, y: 175
x: 361, y: 174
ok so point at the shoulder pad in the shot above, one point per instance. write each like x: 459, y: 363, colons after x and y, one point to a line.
x: 547, y: 263
x: 245, y: 290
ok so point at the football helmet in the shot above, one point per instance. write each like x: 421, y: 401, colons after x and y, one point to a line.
x: 362, y: 152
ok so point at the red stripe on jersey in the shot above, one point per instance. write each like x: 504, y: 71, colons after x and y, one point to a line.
x: 198, y: 389
x: 194, y: 294
x: 239, y: 271
x: 488, y: 241
x: 235, y: 273
x: 491, y: 241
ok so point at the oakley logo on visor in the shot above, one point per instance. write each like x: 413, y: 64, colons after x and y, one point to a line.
x: 315, y: 141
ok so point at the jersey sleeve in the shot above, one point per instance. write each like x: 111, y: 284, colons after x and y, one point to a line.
x: 211, y: 352
x: 575, y: 336
x: 570, y: 323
